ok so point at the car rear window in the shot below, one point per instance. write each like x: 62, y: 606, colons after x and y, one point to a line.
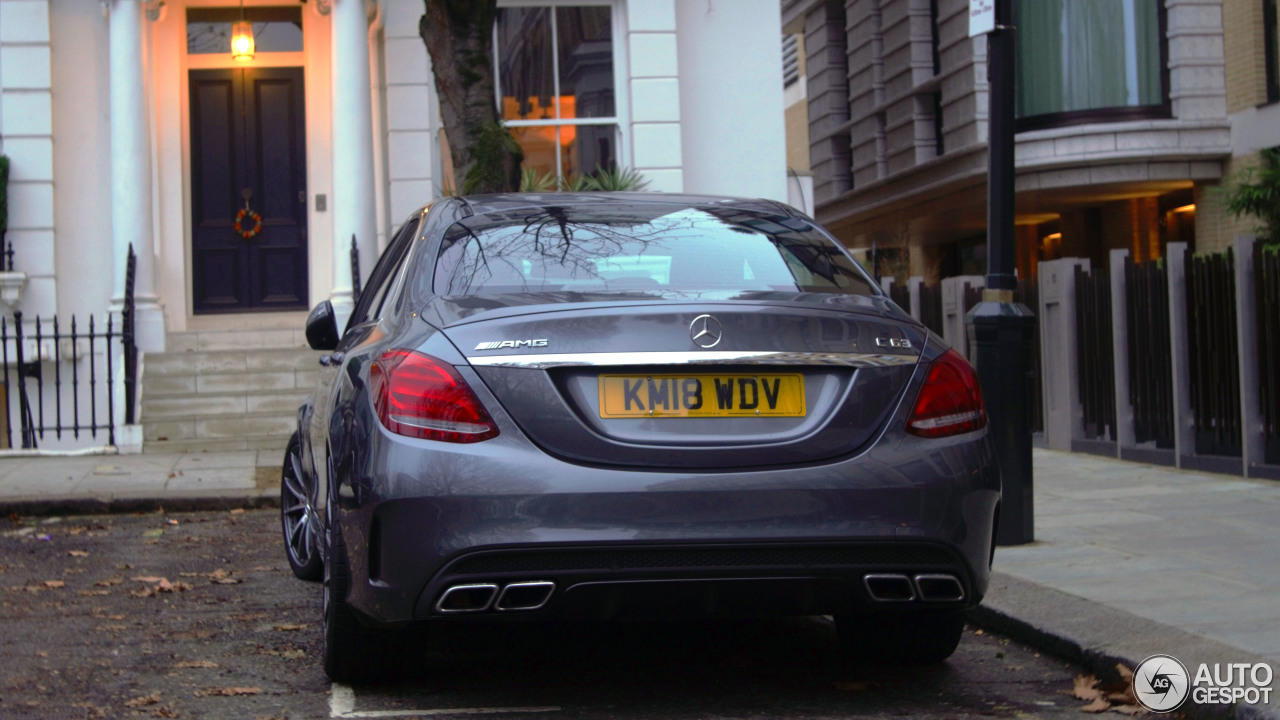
x: 718, y: 251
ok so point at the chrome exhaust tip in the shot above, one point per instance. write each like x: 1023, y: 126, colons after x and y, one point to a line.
x: 889, y: 588
x: 467, y: 598
x: 939, y: 588
x: 525, y: 596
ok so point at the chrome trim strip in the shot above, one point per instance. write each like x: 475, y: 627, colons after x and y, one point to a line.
x: 703, y: 357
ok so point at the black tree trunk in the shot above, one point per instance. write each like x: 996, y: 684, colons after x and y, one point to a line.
x: 459, y: 37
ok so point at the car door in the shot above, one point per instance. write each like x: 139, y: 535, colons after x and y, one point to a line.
x: 325, y: 425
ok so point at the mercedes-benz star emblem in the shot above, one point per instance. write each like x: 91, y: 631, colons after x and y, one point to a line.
x: 705, y: 331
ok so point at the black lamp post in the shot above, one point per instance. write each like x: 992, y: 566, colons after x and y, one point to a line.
x: 1000, y: 330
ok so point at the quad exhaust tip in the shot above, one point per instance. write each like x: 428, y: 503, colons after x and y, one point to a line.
x: 479, y: 597
x: 525, y: 596
x: 467, y: 598
x: 945, y: 588
x: 889, y: 588
x: 927, y: 588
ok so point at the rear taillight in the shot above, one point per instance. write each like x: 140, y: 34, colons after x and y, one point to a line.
x: 424, y: 397
x: 950, y: 402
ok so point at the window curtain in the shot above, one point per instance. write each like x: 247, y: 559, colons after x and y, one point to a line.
x: 1079, y: 55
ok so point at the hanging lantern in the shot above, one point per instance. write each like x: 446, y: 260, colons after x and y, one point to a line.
x: 242, y: 41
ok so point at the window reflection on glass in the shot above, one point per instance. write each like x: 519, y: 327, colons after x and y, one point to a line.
x: 587, y: 148
x: 275, y: 29
x: 526, y: 73
x: 539, y: 145
x: 1076, y: 55
x: 585, y: 43
x: 555, y: 63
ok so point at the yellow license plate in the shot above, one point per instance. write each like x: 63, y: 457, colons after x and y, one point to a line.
x: 721, y: 395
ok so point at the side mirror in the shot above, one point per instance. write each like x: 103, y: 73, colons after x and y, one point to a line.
x: 322, y: 327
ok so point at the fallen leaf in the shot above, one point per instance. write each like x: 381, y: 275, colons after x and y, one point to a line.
x: 147, y: 579
x: 78, y: 553
x: 164, y: 712
x: 109, y: 582
x: 196, y: 664
x: 228, y: 691
x: 189, y: 574
x: 90, y: 593
x: 979, y: 631
x: 42, y: 653
x: 111, y: 628
x: 1097, y: 706
x: 222, y: 577
x: 251, y: 616
x: 153, y: 533
x: 54, y: 584
x: 238, y: 511
x: 152, y: 699
x: 291, y: 626
x: 1086, y: 688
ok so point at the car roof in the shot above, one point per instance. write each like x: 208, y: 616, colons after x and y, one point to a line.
x: 484, y: 204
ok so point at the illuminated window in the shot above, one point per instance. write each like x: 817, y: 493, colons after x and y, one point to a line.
x: 556, y: 86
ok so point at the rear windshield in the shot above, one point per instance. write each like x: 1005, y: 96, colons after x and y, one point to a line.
x: 718, y: 252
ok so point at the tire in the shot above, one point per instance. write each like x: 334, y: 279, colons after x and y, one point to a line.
x: 901, y: 639
x: 297, y: 516
x: 354, y: 653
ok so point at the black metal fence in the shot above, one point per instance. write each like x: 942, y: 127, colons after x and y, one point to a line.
x: 1213, y: 352
x: 355, y: 269
x: 80, y: 361
x: 901, y: 294
x: 931, y: 307
x: 1266, y: 283
x: 77, y: 364
x: 1095, y: 353
x: 1150, y: 361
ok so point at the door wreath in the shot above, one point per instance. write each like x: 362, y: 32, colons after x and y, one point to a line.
x: 250, y: 233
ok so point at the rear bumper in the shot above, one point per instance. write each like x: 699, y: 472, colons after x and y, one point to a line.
x: 420, y: 518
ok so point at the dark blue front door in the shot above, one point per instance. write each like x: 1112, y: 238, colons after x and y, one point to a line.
x: 248, y: 152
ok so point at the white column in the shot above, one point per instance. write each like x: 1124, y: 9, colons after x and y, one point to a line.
x: 131, y: 173
x: 353, y: 183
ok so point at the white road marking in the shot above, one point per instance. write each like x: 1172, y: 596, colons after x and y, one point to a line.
x: 342, y: 704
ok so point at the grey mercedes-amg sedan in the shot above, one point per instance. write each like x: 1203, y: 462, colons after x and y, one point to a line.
x: 602, y: 405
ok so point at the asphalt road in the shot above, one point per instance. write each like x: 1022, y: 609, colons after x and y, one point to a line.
x: 197, y: 615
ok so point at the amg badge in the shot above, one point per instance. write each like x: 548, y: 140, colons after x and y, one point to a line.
x: 499, y: 344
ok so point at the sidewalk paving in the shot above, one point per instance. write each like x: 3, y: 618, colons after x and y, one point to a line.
x: 1130, y: 560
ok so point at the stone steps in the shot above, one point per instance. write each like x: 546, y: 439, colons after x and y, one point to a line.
x: 226, y: 397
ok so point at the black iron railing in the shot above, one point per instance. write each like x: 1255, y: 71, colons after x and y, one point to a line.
x: 127, y: 336
x: 79, y: 399
x: 1150, y: 361
x: 78, y: 404
x: 1213, y: 353
x: 1266, y: 284
x: 355, y: 270
x: 1095, y: 353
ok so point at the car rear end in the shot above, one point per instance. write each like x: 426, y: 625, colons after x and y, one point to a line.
x: 645, y: 409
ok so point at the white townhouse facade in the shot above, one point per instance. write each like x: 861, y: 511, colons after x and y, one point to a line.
x: 129, y: 122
